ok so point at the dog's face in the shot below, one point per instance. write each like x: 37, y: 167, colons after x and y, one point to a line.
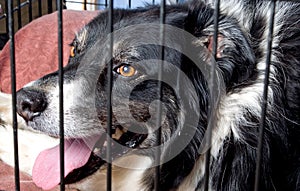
x: 135, y: 92
x: 135, y: 87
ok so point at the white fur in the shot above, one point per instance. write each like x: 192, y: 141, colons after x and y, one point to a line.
x: 233, y: 106
x: 128, y: 178
x: 197, y: 173
x: 30, y: 143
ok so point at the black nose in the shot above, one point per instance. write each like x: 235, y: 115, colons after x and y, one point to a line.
x: 30, y: 103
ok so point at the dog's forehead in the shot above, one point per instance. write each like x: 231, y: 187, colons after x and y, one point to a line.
x: 123, y: 50
x: 122, y: 43
x: 133, y: 37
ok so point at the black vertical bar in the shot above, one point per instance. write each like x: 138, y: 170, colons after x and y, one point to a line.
x: 84, y: 4
x: 40, y: 8
x: 159, y: 107
x: 109, y: 101
x: 61, y: 93
x: 6, y: 23
x: 106, y: 4
x: 13, y: 91
x: 19, y: 14
x: 265, y: 98
x: 153, y: 2
x: 50, y: 7
x: 64, y: 4
x: 30, y: 10
x: 129, y: 4
x: 212, y: 82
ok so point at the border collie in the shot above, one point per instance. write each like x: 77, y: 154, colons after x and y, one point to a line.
x: 179, y: 102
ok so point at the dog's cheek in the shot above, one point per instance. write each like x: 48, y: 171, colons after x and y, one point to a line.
x: 144, y: 107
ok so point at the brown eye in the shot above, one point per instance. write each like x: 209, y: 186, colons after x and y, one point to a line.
x: 72, y: 52
x: 126, y: 70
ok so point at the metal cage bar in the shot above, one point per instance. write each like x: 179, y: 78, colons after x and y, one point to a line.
x: 61, y: 93
x: 40, y: 8
x: 159, y: 106
x: 211, y: 84
x: 265, y: 97
x: 88, y: 3
x: 29, y: 10
x: 13, y: 90
x: 50, y: 7
x: 84, y: 4
x: 6, y: 17
x: 19, y: 14
x: 129, y: 4
x: 109, y: 100
x: 18, y: 8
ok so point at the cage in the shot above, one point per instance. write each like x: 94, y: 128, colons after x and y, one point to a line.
x: 16, y: 14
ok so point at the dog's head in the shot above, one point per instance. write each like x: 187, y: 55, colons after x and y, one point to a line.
x: 138, y: 107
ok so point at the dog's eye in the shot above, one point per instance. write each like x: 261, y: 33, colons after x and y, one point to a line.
x: 73, y: 51
x: 126, y: 70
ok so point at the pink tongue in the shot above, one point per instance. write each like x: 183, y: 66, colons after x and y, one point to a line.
x: 46, y: 170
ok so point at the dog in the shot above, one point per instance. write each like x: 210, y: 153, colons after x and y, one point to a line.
x: 180, y: 102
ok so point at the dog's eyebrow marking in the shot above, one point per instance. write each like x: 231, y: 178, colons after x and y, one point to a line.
x: 81, y: 37
x: 124, y: 53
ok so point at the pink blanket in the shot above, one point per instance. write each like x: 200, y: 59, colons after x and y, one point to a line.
x: 36, y: 47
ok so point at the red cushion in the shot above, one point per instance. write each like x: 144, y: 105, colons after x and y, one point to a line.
x: 36, y: 47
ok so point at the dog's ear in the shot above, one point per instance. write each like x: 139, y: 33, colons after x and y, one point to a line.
x: 234, y: 55
x: 207, y: 42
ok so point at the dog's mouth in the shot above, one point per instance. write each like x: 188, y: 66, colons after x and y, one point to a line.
x: 82, y: 156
